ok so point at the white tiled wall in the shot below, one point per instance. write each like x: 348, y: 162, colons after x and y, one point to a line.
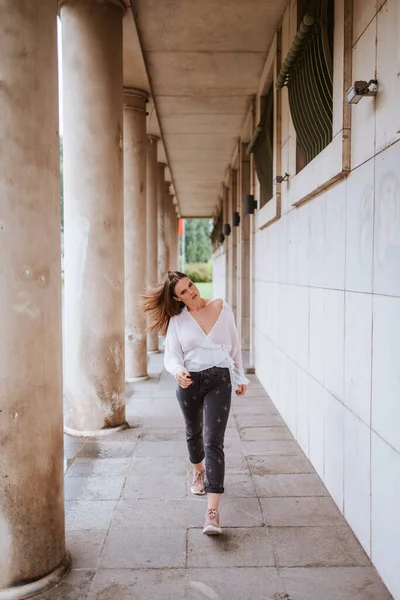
x: 326, y: 286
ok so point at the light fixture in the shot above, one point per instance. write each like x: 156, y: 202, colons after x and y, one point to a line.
x: 249, y: 204
x: 221, y: 238
x: 235, y: 219
x: 360, y: 89
x: 281, y: 178
x: 227, y: 229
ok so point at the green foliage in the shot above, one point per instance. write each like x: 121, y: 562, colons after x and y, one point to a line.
x: 197, y: 240
x: 199, y: 272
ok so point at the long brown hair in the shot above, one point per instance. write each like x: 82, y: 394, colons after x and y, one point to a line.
x: 160, y: 303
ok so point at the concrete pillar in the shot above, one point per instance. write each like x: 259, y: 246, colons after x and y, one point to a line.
x: 94, y: 216
x: 225, y: 219
x: 234, y: 236
x: 32, y: 544
x: 174, y: 239
x: 162, y: 252
x: 151, y: 229
x: 229, y: 238
x: 167, y: 225
x: 244, y: 254
x: 135, y: 147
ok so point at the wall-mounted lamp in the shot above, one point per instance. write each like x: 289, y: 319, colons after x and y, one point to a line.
x: 227, y: 229
x: 361, y: 89
x: 235, y: 219
x: 281, y: 178
x: 221, y: 238
x: 249, y: 204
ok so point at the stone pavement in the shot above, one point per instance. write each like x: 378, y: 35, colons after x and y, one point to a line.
x: 135, y: 531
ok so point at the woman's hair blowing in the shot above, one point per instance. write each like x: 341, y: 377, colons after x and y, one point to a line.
x: 160, y: 303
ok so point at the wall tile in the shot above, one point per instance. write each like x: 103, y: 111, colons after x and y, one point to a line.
x: 317, y: 334
x: 334, y: 448
x: 358, y: 354
x: 293, y: 232
x: 317, y: 401
x: 302, y: 327
x: 317, y: 240
x: 388, y: 68
x: 303, y: 411
x: 335, y: 236
x: 303, y: 244
x: 359, y: 228
x: 357, y: 476
x: 363, y: 114
x: 333, y: 342
x: 385, y: 513
x: 385, y: 369
x: 387, y: 222
x: 363, y: 13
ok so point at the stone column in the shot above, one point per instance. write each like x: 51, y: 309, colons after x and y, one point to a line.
x: 32, y: 543
x: 244, y: 254
x: 225, y: 219
x: 162, y: 253
x: 167, y: 225
x: 135, y: 143
x: 229, y: 238
x: 174, y: 239
x: 151, y: 228
x: 94, y: 216
x: 234, y: 236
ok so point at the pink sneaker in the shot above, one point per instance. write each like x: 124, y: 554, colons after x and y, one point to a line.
x: 211, y: 526
x: 198, y: 483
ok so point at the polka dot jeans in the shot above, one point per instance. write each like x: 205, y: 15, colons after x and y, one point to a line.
x: 205, y: 406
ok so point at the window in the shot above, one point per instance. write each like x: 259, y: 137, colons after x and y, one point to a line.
x: 308, y: 74
x: 262, y: 146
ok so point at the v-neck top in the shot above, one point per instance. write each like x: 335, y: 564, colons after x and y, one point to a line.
x: 189, y: 348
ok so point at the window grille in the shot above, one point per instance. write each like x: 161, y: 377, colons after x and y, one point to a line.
x: 308, y: 74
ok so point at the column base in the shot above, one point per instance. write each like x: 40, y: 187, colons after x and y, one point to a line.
x: 137, y: 379
x: 95, y: 433
x: 150, y: 352
x: 21, y: 592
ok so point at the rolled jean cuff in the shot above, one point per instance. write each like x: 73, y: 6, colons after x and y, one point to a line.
x: 197, y: 462
x: 214, y: 490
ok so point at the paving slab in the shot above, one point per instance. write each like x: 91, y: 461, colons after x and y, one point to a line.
x: 260, y: 465
x: 150, y: 513
x: 74, y: 587
x: 317, y: 547
x: 89, y: 514
x: 138, y: 584
x: 300, y: 512
x: 84, y: 546
x: 131, y: 548
x: 335, y: 583
x: 93, y: 487
x: 85, y: 467
x: 272, y: 447
x: 237, y: 512
x: 239, y: 547
x: 295, y: 484
x: 244, y: 583
x: 254, y: 434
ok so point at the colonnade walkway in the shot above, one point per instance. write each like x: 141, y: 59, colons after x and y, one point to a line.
x: 135, y: 531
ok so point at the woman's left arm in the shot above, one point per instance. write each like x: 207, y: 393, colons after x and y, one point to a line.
x: 236, y: 351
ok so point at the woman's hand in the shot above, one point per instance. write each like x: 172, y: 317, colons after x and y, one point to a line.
x: 241, y: 389
x: 183, y: 378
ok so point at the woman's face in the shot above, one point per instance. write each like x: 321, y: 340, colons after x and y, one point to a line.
x: 186, y: 292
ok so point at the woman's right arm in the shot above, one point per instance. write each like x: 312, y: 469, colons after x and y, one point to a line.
x: 173, y: 354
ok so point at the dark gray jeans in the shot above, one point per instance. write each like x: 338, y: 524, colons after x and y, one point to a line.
x: 208, y: 401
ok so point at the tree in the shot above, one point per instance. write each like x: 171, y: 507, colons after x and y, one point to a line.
x: 197, y: 240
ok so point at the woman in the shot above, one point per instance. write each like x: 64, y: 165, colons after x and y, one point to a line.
x: 202, y: 351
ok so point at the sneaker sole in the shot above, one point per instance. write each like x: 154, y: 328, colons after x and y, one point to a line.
x: 197, y: 493
x: 211, y: 530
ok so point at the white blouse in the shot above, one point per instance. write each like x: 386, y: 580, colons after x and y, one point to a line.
x: 188, y: 348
